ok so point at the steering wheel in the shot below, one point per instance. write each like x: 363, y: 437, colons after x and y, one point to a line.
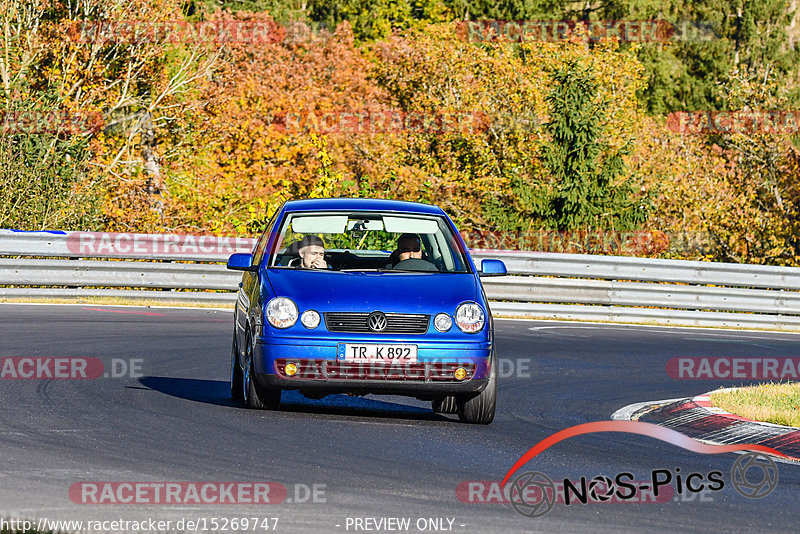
x: 415, y: 264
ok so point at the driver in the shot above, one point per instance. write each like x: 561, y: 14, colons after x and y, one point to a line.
x: 408, y: 255
x: 312, y: 253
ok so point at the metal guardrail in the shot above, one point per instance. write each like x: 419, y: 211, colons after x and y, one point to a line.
x: 615, y: 314
x: 163, y: 297
x: 93, y: 273
x: 169, y: 247
x: 562, y: 286
x: 616, y: 293
x: 647, y: 269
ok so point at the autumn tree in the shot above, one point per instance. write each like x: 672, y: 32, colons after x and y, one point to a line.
x: 586, y: 170
x: 246, y: 158
x: 763, y: 223
x: 92, y: 59
x: 492, y: 177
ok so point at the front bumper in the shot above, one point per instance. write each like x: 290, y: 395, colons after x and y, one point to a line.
x: 320, y: 369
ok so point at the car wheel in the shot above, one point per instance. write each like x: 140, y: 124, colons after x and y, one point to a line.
x: 255, y: 396
x: 237, y: 390
x: 479, y: 409
x: 445, y: 405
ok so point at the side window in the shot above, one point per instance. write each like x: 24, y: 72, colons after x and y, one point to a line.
x: 258, y: 252
x: 261, y: 245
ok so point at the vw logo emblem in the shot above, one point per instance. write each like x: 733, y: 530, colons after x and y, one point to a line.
x: 376, y: 321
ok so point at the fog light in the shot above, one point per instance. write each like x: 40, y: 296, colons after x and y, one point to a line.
x: 290, y: 369
x: 460, y: 373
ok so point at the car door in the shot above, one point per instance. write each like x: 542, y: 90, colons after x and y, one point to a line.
x: 248, y: 302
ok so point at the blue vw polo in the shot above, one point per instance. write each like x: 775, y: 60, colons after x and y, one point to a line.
x: 364, y: 297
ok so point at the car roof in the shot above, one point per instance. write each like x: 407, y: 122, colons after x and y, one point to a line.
x: 361, y: 204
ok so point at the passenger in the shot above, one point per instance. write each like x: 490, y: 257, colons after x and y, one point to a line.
x: 312, y: 253
x: 408, y: 255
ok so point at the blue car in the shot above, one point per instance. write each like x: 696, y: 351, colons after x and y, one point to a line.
x: 364, y: 297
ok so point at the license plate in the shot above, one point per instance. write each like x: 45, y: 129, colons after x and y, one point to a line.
x: 377, y: 352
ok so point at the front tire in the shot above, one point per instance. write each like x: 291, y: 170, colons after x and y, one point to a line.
x: 479, y: 409
x: 255, y: 396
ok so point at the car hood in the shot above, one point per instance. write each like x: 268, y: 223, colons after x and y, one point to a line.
x: 369, y: 291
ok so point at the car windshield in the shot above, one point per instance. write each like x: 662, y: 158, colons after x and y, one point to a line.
x: 368, y: 241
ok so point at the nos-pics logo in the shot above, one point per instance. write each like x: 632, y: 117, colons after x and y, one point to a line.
x: 533, y: 494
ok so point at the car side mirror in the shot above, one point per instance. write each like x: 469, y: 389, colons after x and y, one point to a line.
x: 492, y: 268
x: 241, y: 262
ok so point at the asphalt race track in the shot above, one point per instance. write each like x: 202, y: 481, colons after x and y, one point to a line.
x: 373, y: 457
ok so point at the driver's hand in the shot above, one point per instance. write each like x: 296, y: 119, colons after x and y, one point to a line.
x: 319, y: 263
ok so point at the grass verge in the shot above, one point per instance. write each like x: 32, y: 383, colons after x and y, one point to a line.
x: 772, y: 403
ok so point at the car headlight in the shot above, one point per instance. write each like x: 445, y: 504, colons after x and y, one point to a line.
x: 442, y: 322
x: 310, y: 319
x: 470, y: 318
x: 281, y: 312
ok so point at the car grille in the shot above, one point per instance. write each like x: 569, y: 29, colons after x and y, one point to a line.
x: 396, y: 323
